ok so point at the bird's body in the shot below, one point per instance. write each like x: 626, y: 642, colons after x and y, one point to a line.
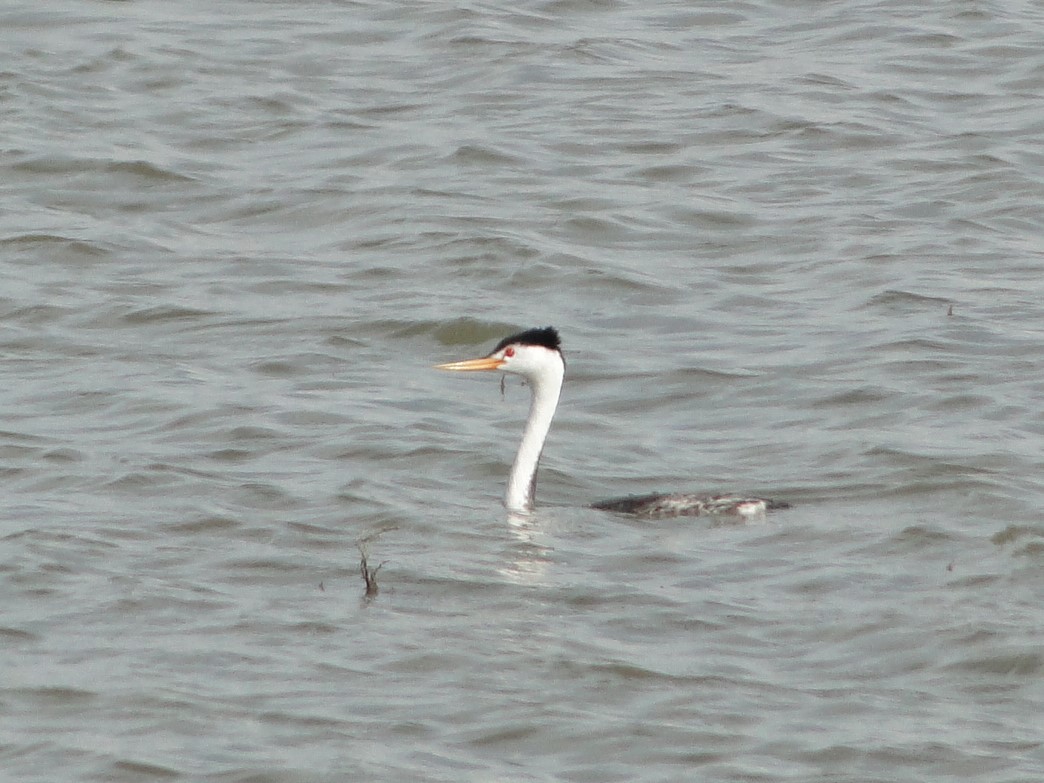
x: 682, y: 504
x: 536, y: 355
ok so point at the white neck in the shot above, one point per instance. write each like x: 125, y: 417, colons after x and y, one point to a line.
x: 546, y: 387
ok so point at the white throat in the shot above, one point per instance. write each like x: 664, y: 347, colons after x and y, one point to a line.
x: 546, y: 387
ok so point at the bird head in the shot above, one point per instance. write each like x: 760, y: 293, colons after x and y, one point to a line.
x: 533, y: 354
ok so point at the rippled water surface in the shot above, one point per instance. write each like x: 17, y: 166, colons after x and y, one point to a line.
x: 793, y: 248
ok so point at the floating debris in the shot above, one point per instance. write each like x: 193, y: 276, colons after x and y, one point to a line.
x: 369, y: 575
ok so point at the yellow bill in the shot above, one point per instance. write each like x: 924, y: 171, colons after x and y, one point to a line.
x: 469, y: 365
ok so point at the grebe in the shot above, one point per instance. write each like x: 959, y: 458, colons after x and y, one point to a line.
x: 536, y: 355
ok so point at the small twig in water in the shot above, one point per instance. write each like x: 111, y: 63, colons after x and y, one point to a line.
x: 369, y: 575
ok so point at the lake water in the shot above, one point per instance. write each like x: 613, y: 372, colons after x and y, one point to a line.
x: 794, y: 249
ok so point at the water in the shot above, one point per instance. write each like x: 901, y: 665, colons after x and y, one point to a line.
x: 793, y: 249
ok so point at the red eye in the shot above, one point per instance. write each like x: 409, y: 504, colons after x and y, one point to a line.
x: 509, y: 352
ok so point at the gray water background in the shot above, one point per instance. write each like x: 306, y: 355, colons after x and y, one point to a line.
x: 793, y: 248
